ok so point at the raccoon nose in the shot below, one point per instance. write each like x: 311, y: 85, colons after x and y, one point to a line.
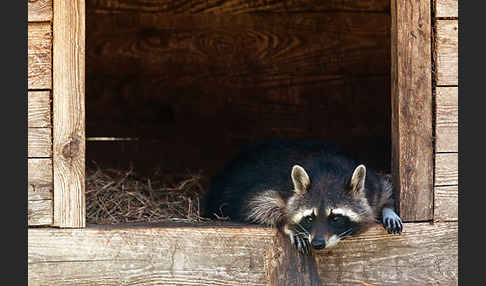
x: 318, y: 243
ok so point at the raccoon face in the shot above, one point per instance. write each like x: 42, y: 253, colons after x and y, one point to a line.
x: 326, y: 211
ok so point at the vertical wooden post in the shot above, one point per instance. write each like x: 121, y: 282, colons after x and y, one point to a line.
x: 289, y: 267
x: 69, y: 113
x: 412, y: 144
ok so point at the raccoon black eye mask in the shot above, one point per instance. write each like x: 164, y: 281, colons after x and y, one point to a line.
x: 314, y: 194
x: 318, y: 231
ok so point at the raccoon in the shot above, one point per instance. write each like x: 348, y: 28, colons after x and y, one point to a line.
x: 310, y: 190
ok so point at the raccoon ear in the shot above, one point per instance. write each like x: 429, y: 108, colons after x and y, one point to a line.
x: 357, y: 182
x: 300, y: 179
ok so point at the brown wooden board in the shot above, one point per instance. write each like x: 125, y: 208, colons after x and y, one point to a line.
x: 447, y: 52
x: 39, y: 212
x: 446, y: 119
x: 208, y: 255
x: 424, y: 254
x: 39, y: 38
x: 237, y: 6
x: 412, y: 144
x: 446, y: 169
x: 446, y: 203
x: 446, y: 8
x: 240, y: 78
x: 39, y: 10
x: 39, y: 142
x: 237, y: 50
x: 39, y: 191
x: 69, y: 113
x: 38, y: 109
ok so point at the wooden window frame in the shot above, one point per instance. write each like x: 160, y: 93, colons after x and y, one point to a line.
x: 411, y: 108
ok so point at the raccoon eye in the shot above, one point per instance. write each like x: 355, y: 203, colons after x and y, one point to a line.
x: 338, y: 220
x: 307, y: 220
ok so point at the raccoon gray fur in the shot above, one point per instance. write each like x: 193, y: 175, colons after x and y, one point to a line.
x: 311, y: 190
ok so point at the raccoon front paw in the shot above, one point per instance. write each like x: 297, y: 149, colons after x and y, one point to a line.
x: 391, y: 221
x: 302, y: 244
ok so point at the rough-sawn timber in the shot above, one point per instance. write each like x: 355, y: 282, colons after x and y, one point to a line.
x: 229, y: 255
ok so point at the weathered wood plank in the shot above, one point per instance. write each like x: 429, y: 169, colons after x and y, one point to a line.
x: 237, y: 6
x: 69, y: 113
x: 39, y: 142
x: 39, y: 10
x: 446, y: 169
x: 446, y: 119
x: 412, y: 144
x: 149, y: 256
x: 40, y: 184
x: 446, y: 203
x: 39, y: 179
x: 447, y: 52
x: 205, y: 255
x: 38, y: 109
x: 446, y: 8
x: 288, y: 267
x: 239, y: 50
x: 424, y: 254
x: 39, y: 212
x: 39, y: 40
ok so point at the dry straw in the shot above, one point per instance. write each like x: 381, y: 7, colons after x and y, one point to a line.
x: 121, y: 196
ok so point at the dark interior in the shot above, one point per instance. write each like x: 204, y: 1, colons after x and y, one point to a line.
x: 184, y: 90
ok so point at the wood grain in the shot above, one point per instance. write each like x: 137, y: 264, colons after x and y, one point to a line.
x: 39, y: 179
x: 40, y: 187
x: 423, y: 254
x: 249, y: 76
x: 447, y: 52
x: 446, y: 119
x: 446, y: 200
x: 236, y: 6
x: 39, y: 10
x: 446, y: 169
x: 149, y: 256
x: 39, y: 212
x: 411, y: 92
x: 38, y: 109
x: 446, y: 8
x: 39, y: 38
x: 287, y: 267
x: 69, y: 113
x: 39, y: 142
x: 239, y: 50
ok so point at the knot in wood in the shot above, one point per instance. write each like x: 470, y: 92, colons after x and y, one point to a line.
x: 71, y: 149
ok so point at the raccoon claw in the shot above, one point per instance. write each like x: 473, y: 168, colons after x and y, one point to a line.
x: 392, y: 222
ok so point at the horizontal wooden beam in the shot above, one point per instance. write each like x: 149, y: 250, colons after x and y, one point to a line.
x: 40, y: 185
x: 39, y: 38
x: 237, y: 6
x: 446, y: 8
x: 447, y: 52
x: 233, y: 255
x: 446, y: 119
x: 39, y: 212
x: 446, y: 200
x: 39, y: 109
x: 39, y: 142
x: 446, y: 169
x: 39, y: 10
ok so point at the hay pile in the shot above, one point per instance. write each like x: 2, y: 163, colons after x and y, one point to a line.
x: 121, y: 196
